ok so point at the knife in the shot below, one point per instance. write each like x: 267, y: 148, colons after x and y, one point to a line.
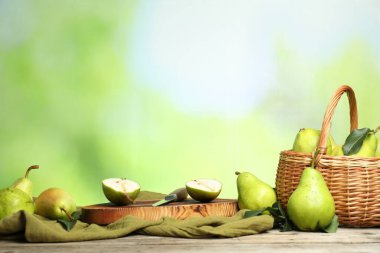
x: 177, y: 195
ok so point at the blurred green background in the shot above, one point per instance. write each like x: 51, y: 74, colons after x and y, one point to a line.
x: 163, y: 92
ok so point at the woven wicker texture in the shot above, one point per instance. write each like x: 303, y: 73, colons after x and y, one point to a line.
x: 354, y: 182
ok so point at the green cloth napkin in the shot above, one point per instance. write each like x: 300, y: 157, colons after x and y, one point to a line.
x: 36, y: 228
x: 40, y: 229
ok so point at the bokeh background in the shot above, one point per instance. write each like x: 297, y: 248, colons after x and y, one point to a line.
x: 165, y: 91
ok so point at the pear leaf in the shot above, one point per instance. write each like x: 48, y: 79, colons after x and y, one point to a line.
x: 69, y: 224
x: 76, y: 215
x: 354, y: 141
x: 252, y: 213
x: 280, y: 217
x: 333, y: 226
x: 281, y: 220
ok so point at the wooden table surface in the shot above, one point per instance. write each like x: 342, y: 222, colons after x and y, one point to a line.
x: 345, y: 240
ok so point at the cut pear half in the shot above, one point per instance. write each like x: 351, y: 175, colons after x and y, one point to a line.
x: 120, y: 191
x: 204, y: 190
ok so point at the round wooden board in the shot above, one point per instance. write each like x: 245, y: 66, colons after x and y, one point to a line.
x: 103, y: 214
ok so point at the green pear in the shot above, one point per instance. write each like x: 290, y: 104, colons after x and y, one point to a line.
x: 253, y: 193
x: 13, y: 200
x: 307, y: 140
x: 24, y: 183
x: 369, y: 146
x: 311, y: 206
x: 55, y: 203
x: 120, y: 191
x: 204, y: 190
x: 333, y: 145
x: 337, y: 151
x: 378, y: 148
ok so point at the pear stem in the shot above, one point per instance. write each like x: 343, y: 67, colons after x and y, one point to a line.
x: 67, y: 214
x: 237, y: 173
x: 33, y: 167
x: 377, y: 129
x: 314, y: 157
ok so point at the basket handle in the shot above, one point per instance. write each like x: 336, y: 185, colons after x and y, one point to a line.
x: 326, y: 125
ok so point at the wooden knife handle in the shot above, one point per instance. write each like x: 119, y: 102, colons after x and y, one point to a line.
x: 181, y: 194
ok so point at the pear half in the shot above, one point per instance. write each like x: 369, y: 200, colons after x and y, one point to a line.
x: 120, y: 191
x: 204, y: 190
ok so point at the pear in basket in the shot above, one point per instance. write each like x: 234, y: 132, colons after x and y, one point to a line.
x: 337, y: 151
x: 307, y: 140
x: 369, y: 146
x: 311, y: 206
x: 378, y: 142
x: 361, y: 143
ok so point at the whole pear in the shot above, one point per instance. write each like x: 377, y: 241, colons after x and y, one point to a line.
x: 369, y: 146
x: 24, y: 182
x: 311, y: 206
x: 13, y: 200
x: 331, y: 145
x: 55, y: 203
x: 253, y: 193
x: 307, y: 140
x: 337, y: 151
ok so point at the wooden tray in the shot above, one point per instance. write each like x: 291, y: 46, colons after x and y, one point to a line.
x: 103, y: 214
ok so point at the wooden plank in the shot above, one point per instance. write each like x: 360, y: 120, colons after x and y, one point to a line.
x: 107, y: 213
x: 345, y: 240
x: 199, y: 248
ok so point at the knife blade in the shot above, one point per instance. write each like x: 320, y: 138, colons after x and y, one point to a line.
x: 176, y: 195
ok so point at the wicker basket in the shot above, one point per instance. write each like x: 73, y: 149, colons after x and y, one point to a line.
x: 354, y: 182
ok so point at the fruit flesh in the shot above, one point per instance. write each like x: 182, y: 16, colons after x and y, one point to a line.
x: 123, y: 185
x: 205, y: 185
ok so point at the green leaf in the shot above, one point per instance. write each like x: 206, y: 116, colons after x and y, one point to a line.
x: 69, y: 224
x: 76, y: 215
x: 251, y: 213
x: 332, y: 228
x: 280, y: 218
x: 354, y: 141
